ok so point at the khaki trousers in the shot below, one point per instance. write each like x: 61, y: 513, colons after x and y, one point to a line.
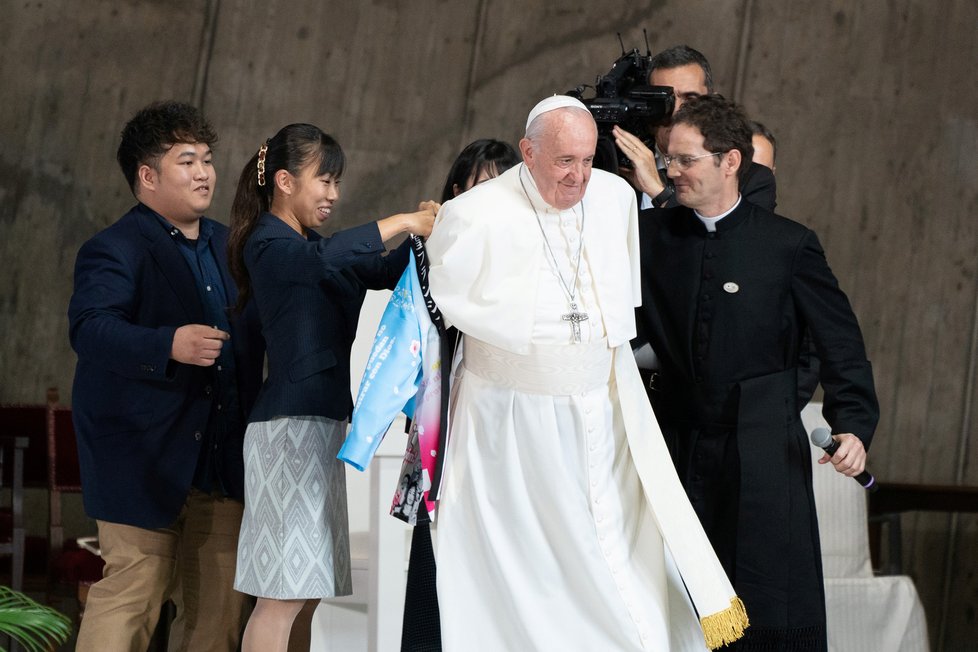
x: 191, y: 563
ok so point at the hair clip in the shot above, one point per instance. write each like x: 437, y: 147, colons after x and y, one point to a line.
x: 261, y: 163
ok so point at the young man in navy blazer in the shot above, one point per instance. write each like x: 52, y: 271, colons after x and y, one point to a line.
x: 165, y: 377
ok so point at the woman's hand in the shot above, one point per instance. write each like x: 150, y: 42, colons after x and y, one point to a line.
x: 425, y: 218
x: 429, y: 203
x: 418, y: 223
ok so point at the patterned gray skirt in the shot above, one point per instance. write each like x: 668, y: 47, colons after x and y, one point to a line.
x: 295, y: 534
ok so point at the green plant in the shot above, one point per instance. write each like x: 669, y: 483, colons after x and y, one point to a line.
x: 36, y: 627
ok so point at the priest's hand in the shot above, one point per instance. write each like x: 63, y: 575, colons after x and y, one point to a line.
x: 643, y: 175
x: 850, y: 458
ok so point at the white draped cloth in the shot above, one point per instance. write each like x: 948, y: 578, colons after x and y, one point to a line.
x: 546, y: 539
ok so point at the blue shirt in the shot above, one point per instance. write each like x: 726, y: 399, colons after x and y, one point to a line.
x: 225, y: 410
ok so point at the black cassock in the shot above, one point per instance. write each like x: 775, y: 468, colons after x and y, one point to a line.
x: 726, y: 313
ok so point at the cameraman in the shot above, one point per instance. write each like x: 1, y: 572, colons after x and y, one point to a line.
x: 765, y: 146
x: 688, y: 72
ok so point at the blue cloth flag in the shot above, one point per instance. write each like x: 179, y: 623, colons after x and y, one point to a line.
x: 394, y: 371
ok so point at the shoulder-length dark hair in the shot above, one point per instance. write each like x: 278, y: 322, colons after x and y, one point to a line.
x: 483, y: 154
x: 294, y: 147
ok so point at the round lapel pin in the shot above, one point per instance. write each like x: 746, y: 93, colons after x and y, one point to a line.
x: 731, y: 287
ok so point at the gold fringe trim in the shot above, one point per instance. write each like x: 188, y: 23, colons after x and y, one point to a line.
x: 725, y: 626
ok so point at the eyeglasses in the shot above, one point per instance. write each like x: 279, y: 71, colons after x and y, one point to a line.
x: 685, y: 161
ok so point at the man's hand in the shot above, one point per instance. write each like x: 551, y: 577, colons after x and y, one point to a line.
x: 850, y: 458
x: 198, y: 344
x: 643, y: 175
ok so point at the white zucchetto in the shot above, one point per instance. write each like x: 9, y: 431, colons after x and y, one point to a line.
x: 552, y: 103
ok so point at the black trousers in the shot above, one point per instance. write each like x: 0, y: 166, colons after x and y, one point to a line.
x: 421, y: 630
x: 708, y: 462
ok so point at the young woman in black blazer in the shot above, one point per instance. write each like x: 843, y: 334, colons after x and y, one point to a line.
x: 294, y: 543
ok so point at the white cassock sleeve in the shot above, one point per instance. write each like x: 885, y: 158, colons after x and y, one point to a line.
x: 483, y: 271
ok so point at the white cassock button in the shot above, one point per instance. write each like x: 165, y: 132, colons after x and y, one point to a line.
x: 731, y: 287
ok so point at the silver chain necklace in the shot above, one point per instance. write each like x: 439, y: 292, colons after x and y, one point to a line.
x: 575, y: 316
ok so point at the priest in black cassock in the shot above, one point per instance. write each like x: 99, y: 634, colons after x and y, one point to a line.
x: 728, y: 291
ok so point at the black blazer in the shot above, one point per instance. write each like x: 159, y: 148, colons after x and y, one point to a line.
x: 727, y: 313
x: 138, y: 414
x: 309, y: 294
x: 709, y: 339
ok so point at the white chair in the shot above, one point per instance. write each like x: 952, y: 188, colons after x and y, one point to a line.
x: 379, y: 565
x: 864, y: 612
x: 370, y: 619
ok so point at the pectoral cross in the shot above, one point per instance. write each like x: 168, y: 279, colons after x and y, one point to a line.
x: 575, y: 317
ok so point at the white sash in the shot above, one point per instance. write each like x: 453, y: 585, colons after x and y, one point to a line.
x: 562, y: 370
x: 550, y: 369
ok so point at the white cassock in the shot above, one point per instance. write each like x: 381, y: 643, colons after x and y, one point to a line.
x: 547, y: 538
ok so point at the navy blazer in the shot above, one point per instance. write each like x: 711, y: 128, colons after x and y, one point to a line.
x: 309, y: 294
x: 139, y: 416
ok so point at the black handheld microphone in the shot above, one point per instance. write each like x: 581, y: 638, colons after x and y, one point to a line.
x: 822, y: 438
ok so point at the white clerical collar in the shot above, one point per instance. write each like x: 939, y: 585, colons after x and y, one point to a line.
x: 711, y: 222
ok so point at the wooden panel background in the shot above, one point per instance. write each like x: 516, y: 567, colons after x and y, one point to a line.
x: 873, y: 104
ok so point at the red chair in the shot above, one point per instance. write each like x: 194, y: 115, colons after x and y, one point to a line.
x: 70, y: 563
x: 30, y: 421
x: 12, y: 460
x: 22, y: 433
x: 63, y: 474
x: 49, y: 461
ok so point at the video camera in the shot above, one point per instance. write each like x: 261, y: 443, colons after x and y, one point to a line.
x: 624, y: 97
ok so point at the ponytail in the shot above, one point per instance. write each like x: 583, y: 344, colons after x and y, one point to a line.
x: 250, y: 201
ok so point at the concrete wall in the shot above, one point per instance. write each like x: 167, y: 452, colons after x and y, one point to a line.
x: 873, y: 104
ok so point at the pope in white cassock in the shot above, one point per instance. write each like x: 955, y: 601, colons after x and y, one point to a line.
x: 562, y: 524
